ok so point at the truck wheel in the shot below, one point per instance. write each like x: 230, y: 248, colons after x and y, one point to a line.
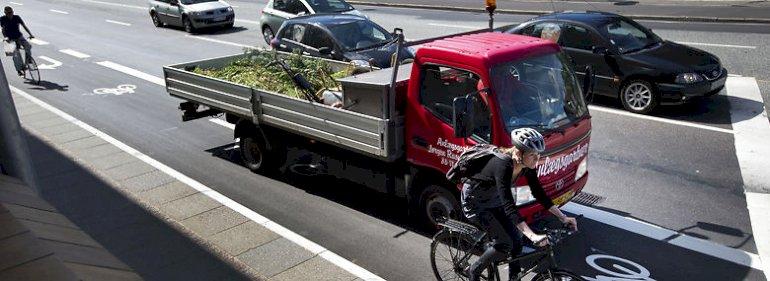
x: 436, y: 203
x: 257, y: 157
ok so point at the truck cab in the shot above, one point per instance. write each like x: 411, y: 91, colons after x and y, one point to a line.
x: 477, y: 88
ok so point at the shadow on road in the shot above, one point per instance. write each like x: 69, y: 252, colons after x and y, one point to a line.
x: 48, y: 85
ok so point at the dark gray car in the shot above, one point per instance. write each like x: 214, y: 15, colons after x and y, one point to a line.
x: 277, y: 11
x: 192, y: 14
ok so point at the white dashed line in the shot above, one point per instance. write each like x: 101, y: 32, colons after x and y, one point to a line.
x: 38, y: 42
x: 118, y: 22
x: 115, y: 4
x: 133, y: 72
x: 659, y: 119
x: 75, y: 53
x: 718, y: 45
x: 220, y: 41
x: 59, y: 12
x: 17, y: 4
x: 248, y: 21
x: 311, y: 246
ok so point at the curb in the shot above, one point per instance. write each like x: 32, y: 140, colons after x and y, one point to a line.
x: 538, y: 13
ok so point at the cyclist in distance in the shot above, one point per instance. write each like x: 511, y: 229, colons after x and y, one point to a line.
x: 10, y: 24
x: 488, y: 202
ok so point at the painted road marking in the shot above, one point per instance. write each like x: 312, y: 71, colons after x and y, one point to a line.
x: 38, y: 42
x: 115, y: 4
x: 118, y: 22
x: 220, y: 41
x: 455, y: 26
x: 54, y: 63
x: 17, y: 4
x: 117, y: 91
x: 664, y: 235
x: 132, y: 72
x: 74, y: 53
x: 752, y: 132
x: 243, y: 210
x: 223, y: 123
x: 660, y: 119
x: 248, y: 21
x: 59, y: 12
x: 717, y: 45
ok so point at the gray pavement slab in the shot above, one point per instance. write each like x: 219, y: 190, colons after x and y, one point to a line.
x: 85, y: 255
x: 14, y: 186
x: 146, y: 181
x: 53, y: 122
x: 214, y: 221
x: 36, y: 215
x: 60, y: 234
x: 19, y: 249
x: 243, y: 237
x: 85, y: 143
x: 56, y: 130
x: 112, y: 160
x: 166, y: 193
x: 275, y: 257
x: 317, y: 269
x: 24, y: 200
x: 128, y: 170
x: 48, y: 268
x: 10, y: 226
x: 89, y: 272
x: 97, y: 152
x: 69, y: 136
x: 189, y: 206
x: 35, y: 115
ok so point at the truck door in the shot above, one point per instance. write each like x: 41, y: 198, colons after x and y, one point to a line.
x: 430, y: 136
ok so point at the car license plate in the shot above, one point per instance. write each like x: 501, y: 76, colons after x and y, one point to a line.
x: 220, y: 19
x: 564, y: 198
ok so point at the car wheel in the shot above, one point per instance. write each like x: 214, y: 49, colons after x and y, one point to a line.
x: 155, y: 20
x: 436, y: 203
x: 268, y: 34
x: 229, y: 25
x: 188, y: 27
x: 639, y: 96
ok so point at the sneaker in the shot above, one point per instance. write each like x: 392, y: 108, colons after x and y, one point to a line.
x: 21, y: 73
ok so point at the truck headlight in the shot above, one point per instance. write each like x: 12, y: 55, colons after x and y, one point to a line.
x: 581, y: 169
x: 688, y: 78
x: 523, y: 195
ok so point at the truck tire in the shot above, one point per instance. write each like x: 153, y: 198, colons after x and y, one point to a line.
x: 436, y: 202
x: 257, y: 157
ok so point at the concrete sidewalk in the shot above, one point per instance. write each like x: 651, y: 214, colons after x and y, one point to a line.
x: 197, y: 233
x: 667, y: 10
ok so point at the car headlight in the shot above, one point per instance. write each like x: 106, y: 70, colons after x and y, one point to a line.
x: 581, y: 169
x: 523, y: 195
x: 688, y: 78
x: 230, y: 9
x: 196, y: 13
x: 360, y: 63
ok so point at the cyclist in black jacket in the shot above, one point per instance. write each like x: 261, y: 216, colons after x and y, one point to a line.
x: 488, y: 202
x: 10, y: 26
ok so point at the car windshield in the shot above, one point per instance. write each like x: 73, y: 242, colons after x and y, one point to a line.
x: 359, y: 34
x: 329, y: 6
x: 190, y: 2
x: 630, y: 37
x: 539, y: 92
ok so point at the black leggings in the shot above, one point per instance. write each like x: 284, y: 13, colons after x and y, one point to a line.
x: 505, y: 240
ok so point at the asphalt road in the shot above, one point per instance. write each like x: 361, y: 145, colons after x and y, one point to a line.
x: 682, y: 178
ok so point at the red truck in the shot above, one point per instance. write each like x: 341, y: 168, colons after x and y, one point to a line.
x: 398, y: 132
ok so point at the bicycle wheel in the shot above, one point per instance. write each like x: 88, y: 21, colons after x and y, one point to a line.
x: 32, y: 73
x: 557, y: 275
x: 451, y: 254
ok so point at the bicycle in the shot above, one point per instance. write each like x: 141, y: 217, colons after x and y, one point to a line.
x: 28, y: 67
x: 465, y: 242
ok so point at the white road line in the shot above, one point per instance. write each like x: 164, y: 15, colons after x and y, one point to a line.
x: 132, y: 72
x: 659, y: 119
x: 752, y: 132
x: 38, y: 42
x: 59, y: 12
x: 118, y: 22
x: 115, y: 4
x: 223, y: 123
x: 247, y: 21
x: 74, y: 53
x: 718, y: 45
x: 243, y: 210
x: 455, y: 26
x: 17, y: 4
x: 220, y: 41
x: 54, y: 63
x: 734, y: 75
x: 661, y: 234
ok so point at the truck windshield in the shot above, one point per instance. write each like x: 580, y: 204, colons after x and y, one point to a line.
x: 539, y: 92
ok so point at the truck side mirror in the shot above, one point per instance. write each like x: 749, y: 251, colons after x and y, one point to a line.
x: 462, y: 116
x: 588, y: 81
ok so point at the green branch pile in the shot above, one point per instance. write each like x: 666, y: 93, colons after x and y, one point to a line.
x: 255, y: 71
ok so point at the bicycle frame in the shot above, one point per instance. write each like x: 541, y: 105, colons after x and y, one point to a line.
x: 538, y: 256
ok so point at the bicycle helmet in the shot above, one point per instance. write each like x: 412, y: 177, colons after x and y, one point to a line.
x: 528, y: 139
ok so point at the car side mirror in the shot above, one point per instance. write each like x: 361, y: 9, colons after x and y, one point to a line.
x: 325, y: 51
x: 601, y: 50
x: 588, y: 81
x: 462, y: 116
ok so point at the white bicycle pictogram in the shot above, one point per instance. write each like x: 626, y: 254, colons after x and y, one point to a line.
x: 119, y: 90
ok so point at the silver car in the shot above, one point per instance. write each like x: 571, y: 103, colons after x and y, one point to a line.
x: 277, y: 11
x: 192, y: 14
